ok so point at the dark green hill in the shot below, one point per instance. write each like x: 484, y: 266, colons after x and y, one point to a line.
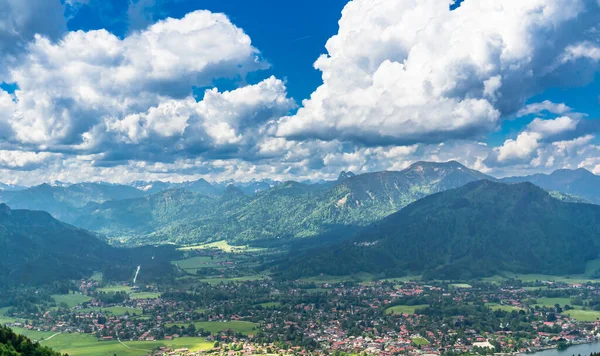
x: 36, y: 249
x: 477, y: 230
x: 12, y: 344
x: 579, y: 182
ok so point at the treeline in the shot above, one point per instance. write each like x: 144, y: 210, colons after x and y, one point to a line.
x: 12, y: 344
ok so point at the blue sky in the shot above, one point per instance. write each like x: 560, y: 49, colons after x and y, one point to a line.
x: 124, y: 90
x: 290, y: 34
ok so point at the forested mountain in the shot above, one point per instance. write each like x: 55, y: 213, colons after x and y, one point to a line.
x: 579, y: 182
x: 12, y: 344
x: 35, y: 248
x: 144, y: 215
x: 282, y: 213
x: 64, y: 202
x: 476, y: 230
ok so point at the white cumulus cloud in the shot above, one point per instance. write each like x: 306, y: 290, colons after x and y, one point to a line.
x: 406, y: 71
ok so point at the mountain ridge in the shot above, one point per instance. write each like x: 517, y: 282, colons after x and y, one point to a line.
x: 476, y: 230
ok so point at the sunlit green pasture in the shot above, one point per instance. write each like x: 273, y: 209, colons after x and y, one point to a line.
x: 404, y: 309
x: 242, y: 327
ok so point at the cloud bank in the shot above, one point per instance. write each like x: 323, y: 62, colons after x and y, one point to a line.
x: 403, y: 80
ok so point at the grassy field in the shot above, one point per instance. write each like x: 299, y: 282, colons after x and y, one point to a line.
x: 461, y: 285
x: 144, y: 295
x: 71, y: 299
x: 117, y: 311
x: 404, y: 309
x: 325, y: 279
x: 270, y: 305
x: 242, y: 327
x: 583, y: 315
x: 254, y: 277
x: 536, y: 288
x: 572, y: 279
x: 550, y: 302
x: 5, y: 319
x: 420, y: 341
x: 115, y: 289
x: 87, y: 345
x: 508, y: 308
x: 223, y: 246
x: 193, y: 264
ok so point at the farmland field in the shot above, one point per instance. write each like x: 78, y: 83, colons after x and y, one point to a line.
x: 223, y: 246
x: 88, y: 345
x: 242, y: 327
x: 550, y: 302
x: 420, y: 341
x: 508, y: 308
x: 583, y: 315
x: 404, y: 309
x: 359, y: 277
x: 570, y: 279
x: 254, y: 277
x: 114, y: 289
x: 5, y: 319
x: 117, y: 311
x: 71, y: 299
x: 461, y: 285
x: 193, y: 264
x: 144, y: 295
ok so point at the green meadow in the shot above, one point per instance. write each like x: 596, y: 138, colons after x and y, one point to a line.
x: 419, y: 341
x: 404, y: 309
x: 461, y: 285
x: 88, y: 345
x: 223, y: 246
x: 5, y: 319
x: 193, y: 264
x: 113, y: 289
x: 117, y: 311
x: 325, y: 279
x: 144, y: 295
x: 551, y: 302
x: 214, y: 327
x: 496, y: 306
x: 71, y: 299
x: 254, y: 277
x: 583, y: 315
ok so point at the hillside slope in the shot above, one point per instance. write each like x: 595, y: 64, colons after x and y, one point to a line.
x: 16, y: 345
x: 36, y: 249
x: 475, y: 230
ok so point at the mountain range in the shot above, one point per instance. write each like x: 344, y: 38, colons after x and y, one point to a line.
x: 441, y: 220
x: 580, y: 183
x: 264, y: 212
x: 480, y: 229
x: 285, y: 212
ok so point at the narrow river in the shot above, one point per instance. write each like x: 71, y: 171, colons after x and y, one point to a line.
x: 582, y: 349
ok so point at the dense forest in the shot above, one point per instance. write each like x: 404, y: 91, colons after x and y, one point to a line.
x: 477, y: 230
x: 37, y: 249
